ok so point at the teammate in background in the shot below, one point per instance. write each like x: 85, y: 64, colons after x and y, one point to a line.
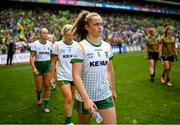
x: 52, y: 39
x: 168, y: 53
x: 41, y: 63
x: 63, y: 51
x: 152, y: 50
x: 93, y: 72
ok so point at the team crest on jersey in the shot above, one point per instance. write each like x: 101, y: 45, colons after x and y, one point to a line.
x: 90, y: 55
x: 106, y: 54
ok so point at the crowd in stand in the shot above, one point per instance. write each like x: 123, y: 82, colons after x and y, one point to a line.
x: 139, y: 4
x: 21, y: 26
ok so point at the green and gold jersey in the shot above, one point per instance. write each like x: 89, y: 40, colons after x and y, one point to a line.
x: 152, y: 44
x: 167, y: 46
x: 94, y: 59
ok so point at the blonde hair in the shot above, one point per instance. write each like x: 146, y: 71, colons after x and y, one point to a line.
x: 151, y: 31
x: 66, y: 28
x: 167, y: 28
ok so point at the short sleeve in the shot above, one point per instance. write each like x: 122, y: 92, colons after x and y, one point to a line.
x: 110, y: 52
x: 78, y: 54
x: 33, y: 47
x: 146, y: 41
x: 161, y: 40
x: 55, y: 49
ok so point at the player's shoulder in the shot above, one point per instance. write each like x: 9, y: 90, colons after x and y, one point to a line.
x: 162, y: 37
x: 48, y: 42
x: 36, y: 42
x: 58, y: 42
x: 75, y: 42
x: 105, y: 44
x: 84, y: 41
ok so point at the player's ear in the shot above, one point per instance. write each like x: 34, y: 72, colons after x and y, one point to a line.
x: 87, y: 27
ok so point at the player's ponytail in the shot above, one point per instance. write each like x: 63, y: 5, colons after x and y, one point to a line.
x: 79, y: 30
x: 165, y: 32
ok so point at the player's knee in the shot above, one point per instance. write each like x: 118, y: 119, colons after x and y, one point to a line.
x: 167, y: 68
x: 69, y: 100
x: 47, y: 85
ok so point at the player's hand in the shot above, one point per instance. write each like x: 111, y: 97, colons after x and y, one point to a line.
x: 114, y: 95
x: 52, y: 81
x: 161, y: 59
x: 145, y: 56
x: 35, y: 72
x: 90, y: 106
x: 175, y: 58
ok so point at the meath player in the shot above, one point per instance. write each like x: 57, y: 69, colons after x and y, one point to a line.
x: 63, y: 52
x: 40, y: 63
x: 93, y: 72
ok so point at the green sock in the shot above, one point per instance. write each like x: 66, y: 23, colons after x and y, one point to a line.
x: 68, y: 120
x: 46, y: 101
x: 38, y: 95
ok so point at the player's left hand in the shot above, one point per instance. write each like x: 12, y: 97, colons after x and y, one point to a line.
x: 114, y: 95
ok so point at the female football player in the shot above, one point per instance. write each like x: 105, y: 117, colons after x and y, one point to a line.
x: 93, y: 72
x: 168, y: 54
x: 63, y: 52
x: 40, y: 63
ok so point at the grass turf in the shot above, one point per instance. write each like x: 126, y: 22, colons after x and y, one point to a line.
x: 139, y: 100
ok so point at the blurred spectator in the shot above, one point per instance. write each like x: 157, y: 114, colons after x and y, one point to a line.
x: 10, y: 52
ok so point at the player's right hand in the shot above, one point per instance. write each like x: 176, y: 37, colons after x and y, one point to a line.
x: 161, y: 59
x: 90, y: 106
x: 35, y: 72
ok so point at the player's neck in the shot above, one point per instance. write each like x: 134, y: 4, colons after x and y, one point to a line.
x: 168, y: 36
x: 43, y: 41
x: 68, y: 42
x: 94, y: 40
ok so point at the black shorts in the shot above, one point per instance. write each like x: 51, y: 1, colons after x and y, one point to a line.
x: 153, y: 55
x: 168, y: 58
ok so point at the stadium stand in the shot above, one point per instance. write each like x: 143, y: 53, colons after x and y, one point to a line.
x: 21, y: 24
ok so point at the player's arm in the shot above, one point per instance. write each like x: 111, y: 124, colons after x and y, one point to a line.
x: 76, y: 71
x: 32, y: 61
x: 174, y: 47
x: 145, y: 51
x: 111, y: 79
x: 145, y: 48
x: 174, y: 50
x: 160, y: 47
x: 53, y: 66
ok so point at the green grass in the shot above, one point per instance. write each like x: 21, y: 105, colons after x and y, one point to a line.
x: 139, y: 100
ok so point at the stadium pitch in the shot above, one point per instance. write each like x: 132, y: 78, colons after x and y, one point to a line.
x: 139, y: 100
